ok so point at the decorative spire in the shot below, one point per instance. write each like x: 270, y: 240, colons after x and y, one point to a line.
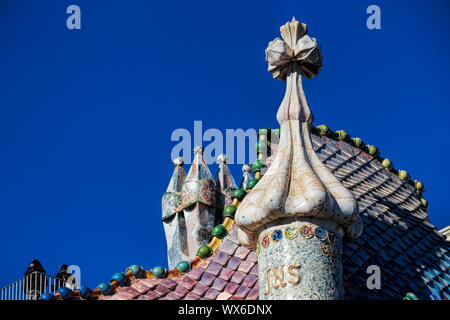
x: 178, y: 176
x: 199, y: 169
x: 297, y: 190
x: 224, y: 178
x: 174, y: 225
x: 246, y: 176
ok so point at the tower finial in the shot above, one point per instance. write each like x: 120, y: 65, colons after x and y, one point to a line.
x: 297, y: 194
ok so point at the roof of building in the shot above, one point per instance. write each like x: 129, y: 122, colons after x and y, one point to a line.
x: 398, y: 237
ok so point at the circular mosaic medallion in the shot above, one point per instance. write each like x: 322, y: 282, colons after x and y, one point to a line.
x: 277, y: 235
x: 320, y: 233
x: 291, y: 233
x: 306, y: 231
x: 265, y: 241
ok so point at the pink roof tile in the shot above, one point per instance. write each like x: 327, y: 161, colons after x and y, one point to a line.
x: 219, y: 284
x: 231, y: 287
x: 181, y: 291
x: 214, y: 268
x: 188, y: 282
x: 212, y: 294
x: 196, y: 273
x: 226, y: 274
x: 250, y: 280
x: 222, y: 258
x: 207, y: 278
x: 253, y: 294
x: 191, y: 296
x: 169, y: 283
x: 242, y: 252
x: 238, y: 277
x: 246, y: 266
x: 242, y: 292
x: 234, y: 263
x: 200, y: 289
x: 228, y: 246
x: 131, y: 292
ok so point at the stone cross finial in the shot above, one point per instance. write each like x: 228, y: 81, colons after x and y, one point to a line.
x: 298, y: 212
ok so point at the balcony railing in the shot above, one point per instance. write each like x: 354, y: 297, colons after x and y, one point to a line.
x: 31, y: 287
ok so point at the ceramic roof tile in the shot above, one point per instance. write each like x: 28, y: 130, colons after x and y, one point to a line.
x: 234, y: 263
x: 242, y: 292
x: 212, y: 294
x: 169, y: 283
x: 229, y: 247
x: 253, y: 294
x: 196, y: 273
x: 238, y: 277
x: 207, y: 278
x: 191, y: 296
x: 231, y: 287
x: 252, y: 257
x: 250, y: 280
x: 200, y: 289
x: 161, y: 290
x: 246, y: 266
x: 226, y: 274
x: 150, y: 296
x: 254, y: 270
x: 219, y: 284
x: 188, y: 282
x: 222, y: 258
x: 214, y: 268
x: 140, y: 286
x: 242, y: 253
x: 181, y: 291
x: 131, y: 292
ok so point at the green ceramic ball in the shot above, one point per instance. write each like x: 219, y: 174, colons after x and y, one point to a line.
x: 386, y: 163
x: 183, y: 266
x: 219, y: 231
x: 159, y: 272
x: 323, y: 129
x: 403, y: 175
x: 373, y: 151
x: 204, y: 252
x: 229, y: 211
x: 252, y: 183
x: 358, y: 142
x: 239, y: 194
x: 419, y: 186
x: 257, y: 166
x: 342, y: 135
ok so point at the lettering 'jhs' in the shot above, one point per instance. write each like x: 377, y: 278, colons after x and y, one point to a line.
x: 277, y: 280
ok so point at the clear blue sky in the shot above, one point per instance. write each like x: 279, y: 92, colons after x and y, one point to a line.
x: 86, y: 115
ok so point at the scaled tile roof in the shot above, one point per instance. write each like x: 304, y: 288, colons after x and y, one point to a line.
x: 398, y: 237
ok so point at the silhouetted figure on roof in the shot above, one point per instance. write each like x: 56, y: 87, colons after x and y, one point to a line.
x: 62, y: 276
x: 34, y: 281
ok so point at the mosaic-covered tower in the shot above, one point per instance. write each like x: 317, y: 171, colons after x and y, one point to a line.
x: 299, y: 211
x: 173, y: 219
x: 198, y: 199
